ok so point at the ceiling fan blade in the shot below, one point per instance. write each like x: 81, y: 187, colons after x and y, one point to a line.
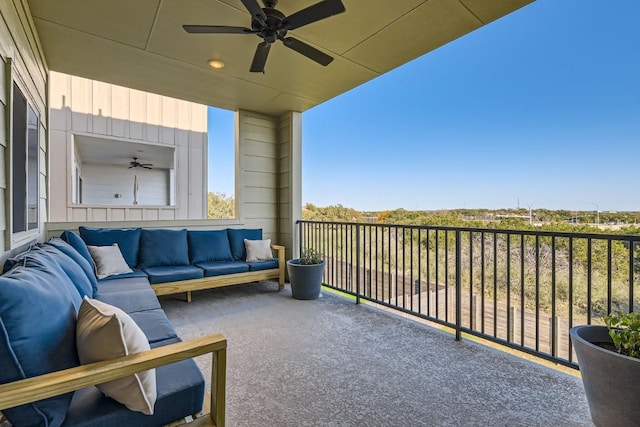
x: 308, y: 51
x: 316, y: 12
x: 255, y: 10
x: 146, y: 167
x: 216, y: 29
x: 260, y: 58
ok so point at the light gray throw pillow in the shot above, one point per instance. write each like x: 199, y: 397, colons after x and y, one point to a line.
x: 108, y: 260
x: 258, y: 250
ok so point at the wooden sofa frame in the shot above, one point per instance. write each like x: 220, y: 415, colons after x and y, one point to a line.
x: 225, y: 280
x: 56, y: 383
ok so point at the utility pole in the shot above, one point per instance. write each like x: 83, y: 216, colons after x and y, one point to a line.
x: 530, y: 215
x: 597, y: 212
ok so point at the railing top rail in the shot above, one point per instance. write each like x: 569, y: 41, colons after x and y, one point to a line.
x: 541, y: 233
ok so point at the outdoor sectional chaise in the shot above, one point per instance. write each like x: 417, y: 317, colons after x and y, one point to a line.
x: 42, y: 291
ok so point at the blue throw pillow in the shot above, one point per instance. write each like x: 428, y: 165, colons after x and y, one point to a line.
x: 87, y: 267
x: 209, y: 245
x: 71, y: 269
x: 79, y: 245
x: 128, y: 239
x: 236, y: 240
x: 163, y: 248
x: 37, y: 333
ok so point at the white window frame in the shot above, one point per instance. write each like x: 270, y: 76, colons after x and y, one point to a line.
x: 15, y: 239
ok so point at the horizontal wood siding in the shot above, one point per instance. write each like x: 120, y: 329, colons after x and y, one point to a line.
x: 20, y: 47
x: 289, y: 180
x: 257, y: 172
x: 90, y: 108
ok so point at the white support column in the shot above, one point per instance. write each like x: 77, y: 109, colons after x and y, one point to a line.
x: 290, y: 182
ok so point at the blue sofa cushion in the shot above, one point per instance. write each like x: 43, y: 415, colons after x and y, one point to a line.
x: 163, y: 248
x: 173, y: 274
x: 128, y: 239
x: 131, y: 301
x: 154, y: 324
x: 122, y: 284
x: 79, y: 245
x: 87, y: 266
x: 209, y: 245
x: 223, y: 267
x: 180, y: 393
x: 78, y: 277
x: 236, y: 240
x: 263, y: 265
x: 135, y: 272
x: 37, y: 332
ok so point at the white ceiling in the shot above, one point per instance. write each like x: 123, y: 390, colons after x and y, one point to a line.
x: 114, y: 152
x: 141, y: 44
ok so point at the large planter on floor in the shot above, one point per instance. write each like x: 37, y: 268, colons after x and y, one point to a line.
x: 610, y: 379
x: 305, y: 279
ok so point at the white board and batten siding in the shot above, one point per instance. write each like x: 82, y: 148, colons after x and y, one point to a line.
x: 21, y: 60
x: 88, y: 108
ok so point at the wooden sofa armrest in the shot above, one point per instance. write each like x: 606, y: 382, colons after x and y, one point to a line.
x: 281, y: 264
x: 53, y: 384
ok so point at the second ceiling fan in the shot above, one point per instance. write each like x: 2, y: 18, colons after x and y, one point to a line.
x: 272, y: 25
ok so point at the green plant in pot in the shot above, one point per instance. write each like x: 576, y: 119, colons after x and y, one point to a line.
x: 305, y: 274
x: 609, y: 360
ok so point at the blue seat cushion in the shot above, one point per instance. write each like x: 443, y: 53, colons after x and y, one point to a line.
x: 37, y: 332
x: 209, y: 245
x: 236, y: 240
x: 163, y: 248
x: 123, y: 284
x: 79, y: 245
x: 71, y: 268
x: 173, y: 274
x: 135, y: 272
x: 87, y: 265
x: 128, y: 240
x: 223, y: 267
x: 180, y: 389
x: 154, y: 324
x: 131, y: 301
x: 263, y: 265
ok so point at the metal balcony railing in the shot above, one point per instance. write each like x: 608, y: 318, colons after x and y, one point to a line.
x: 522, y: 289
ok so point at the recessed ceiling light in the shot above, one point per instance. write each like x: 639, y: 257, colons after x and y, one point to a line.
x: 216, y: 64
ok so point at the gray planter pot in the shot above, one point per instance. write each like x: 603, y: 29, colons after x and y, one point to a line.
x: 306, y: 280
x: 610, y: 379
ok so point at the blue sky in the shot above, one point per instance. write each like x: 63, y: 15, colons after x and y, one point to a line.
x: 541, y: 106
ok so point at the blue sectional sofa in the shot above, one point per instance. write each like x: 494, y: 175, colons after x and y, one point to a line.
x: 42, y: 380
x: 176, y: 261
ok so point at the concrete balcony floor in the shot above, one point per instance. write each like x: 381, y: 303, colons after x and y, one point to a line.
x: 330, y: 362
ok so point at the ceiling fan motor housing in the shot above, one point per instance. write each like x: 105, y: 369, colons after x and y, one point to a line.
x: 272, y: 29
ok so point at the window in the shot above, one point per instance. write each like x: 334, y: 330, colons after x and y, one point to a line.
x: 24, y: 149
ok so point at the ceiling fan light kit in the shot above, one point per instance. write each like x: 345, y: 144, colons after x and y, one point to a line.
x: 272, y: 25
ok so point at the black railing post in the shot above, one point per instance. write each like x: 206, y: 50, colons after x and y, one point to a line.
x: 300, y: 237
x: 458, y: 286
x: 358, y: 264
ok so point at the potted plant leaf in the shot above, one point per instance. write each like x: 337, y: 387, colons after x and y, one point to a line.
x: 305, y: 274
x: 609, y: 359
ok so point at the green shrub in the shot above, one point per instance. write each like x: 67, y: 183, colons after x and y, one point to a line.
x: 624, y: 330
x: 310, y: 256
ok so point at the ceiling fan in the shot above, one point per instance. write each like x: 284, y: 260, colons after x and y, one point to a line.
x: 272, y: 25
x: 136, y: 164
